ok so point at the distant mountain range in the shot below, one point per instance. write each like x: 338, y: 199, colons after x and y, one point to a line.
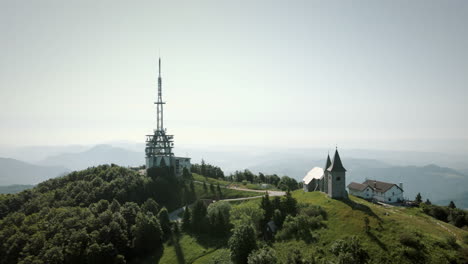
x: 15, y: 188
x: 439, y: 184
x: 100, y: 154
x: 18, y: 172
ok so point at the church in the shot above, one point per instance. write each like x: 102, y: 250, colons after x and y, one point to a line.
x: 330, y: 180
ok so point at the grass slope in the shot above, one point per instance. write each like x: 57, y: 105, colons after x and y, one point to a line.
x: 387, y: 226
x: 346, y: 219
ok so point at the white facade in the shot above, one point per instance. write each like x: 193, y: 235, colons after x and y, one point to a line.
x: 380, y: 191
x: 392, y: 195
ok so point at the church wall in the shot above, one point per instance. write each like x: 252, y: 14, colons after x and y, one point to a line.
x: 337, y: 185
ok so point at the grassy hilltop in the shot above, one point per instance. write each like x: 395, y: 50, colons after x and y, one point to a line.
x: 395, y: 235
x: 110, y: 214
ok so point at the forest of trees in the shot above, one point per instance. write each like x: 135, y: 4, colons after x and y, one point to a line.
x: 104, y: 214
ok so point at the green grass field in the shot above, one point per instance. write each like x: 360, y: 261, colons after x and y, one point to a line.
x: 387, y: 226
x: 345, y: 219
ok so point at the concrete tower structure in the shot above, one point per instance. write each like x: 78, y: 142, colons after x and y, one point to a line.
x: 159, y: 145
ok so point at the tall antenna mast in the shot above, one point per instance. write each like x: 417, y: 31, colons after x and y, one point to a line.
x: 159, y: 103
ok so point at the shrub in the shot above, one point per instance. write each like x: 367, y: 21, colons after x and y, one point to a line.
x: 300, y: 227
x: 412, y: 240
x: 262, y: 256
x: 465, y: 238
x: 349, y: 250
x: 312, y: 210
x: 451, y: 241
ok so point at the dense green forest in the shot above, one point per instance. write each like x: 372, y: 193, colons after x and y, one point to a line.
x: 104, y: 214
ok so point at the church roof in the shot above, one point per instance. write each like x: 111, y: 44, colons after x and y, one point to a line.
x: 336, y: 165
x: 315, y: 173
x: 357, y: 186
x: 328, y: 164
x: 379, y: 186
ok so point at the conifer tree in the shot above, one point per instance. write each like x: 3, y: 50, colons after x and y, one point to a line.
x: 186, y: 219
x: 452, y: 205
x: 418, y: 199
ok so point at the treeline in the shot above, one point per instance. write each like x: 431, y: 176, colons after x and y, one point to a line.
x: 284, y: 183
x: 449, y: 214
x: 104, y: 214
x: 207, y: 170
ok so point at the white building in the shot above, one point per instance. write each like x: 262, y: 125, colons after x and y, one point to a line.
x: 381, y: 191
x: 312, y: 179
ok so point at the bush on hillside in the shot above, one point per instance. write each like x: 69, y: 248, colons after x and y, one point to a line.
x: 412, y: 240
x: 300, y: 227
x: 349, y: 250
x: 264, y: 255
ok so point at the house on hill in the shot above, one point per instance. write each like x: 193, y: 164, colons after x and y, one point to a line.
x: 330, y: 180
x: 381, y: 191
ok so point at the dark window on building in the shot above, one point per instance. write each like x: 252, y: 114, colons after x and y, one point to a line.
x: 338, y: 178
x: 389, y: 199
x: 393, y: 193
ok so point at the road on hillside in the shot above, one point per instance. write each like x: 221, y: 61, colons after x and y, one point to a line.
x: 174, y: 215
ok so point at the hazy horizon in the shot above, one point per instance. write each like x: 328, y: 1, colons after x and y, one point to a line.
x: 301, y: 74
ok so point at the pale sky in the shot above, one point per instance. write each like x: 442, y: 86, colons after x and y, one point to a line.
x: 361, y: 74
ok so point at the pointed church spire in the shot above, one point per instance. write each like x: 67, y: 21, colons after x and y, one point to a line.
x: 336, y: 165
x: 328, y: 164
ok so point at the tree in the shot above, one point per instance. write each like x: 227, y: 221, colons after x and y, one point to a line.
x: 165, y: 222
x: 186, y: 175
x: 278, y: 218
x: 192, y: 187
x: 247, y: 213
x: 242, y: 242
x: 366, y: 224
x: 267, y: 207
x: 452, y: 205
x: 218, y: 189
x: 205, y: 188
x: 428, y: 202
x: 212, y: 188
x: 199, y: 216
x: 150, y: 205
x: 418, y: 199
x: 262, y: 256
x: 289, y: 204
x: 186, y: 219
x: 147, y: 233
x: 203, y: 168
x: 218, y: 215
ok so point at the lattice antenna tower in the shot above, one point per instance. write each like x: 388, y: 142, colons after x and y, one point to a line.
x: 159, y: 144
